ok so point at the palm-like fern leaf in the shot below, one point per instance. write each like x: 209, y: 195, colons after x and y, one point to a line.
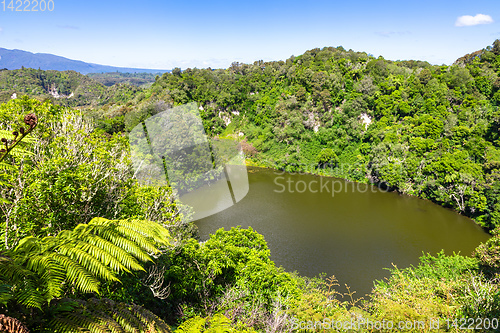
x: 104, y: 315
x: 20, y: 149
x: 77, y: 274
x: 38, y: 269
x: 109, y: 254
x: 96, y: 267
x: 19, y: 283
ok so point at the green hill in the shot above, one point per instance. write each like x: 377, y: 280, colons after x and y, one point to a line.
x: 428, y: 131
x: 68, y: 88
x: 79, y: 251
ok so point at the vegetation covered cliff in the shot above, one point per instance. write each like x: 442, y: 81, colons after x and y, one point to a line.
x: 85, y: 247
x: 428, y: 131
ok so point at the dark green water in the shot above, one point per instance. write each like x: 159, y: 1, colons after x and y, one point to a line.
x: 350, y: 234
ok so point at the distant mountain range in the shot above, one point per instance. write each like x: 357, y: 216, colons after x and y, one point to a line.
x: 16, y: 59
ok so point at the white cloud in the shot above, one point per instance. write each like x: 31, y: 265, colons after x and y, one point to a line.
x: 468, y: 20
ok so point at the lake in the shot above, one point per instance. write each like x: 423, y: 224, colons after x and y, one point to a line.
x: 353, y: 231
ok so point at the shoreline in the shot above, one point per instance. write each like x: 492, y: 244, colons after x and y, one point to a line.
x: 256, y: 164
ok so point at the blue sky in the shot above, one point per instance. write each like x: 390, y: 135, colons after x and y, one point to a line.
x: 167, y: 34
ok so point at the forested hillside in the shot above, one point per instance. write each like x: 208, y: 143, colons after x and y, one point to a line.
x: 428, y: 131
x: 85, y: 247
x: 67, y: 88
x: 136, y: 79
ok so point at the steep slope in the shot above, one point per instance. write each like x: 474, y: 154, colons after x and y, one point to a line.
x: 427, y: 131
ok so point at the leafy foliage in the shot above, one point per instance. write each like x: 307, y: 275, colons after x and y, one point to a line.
x: 428, y: 131
x: 112, y: 78
x: 73, y: 174
x: 443, y: 287
x: 104, y: 315
x: 200, y: 272
x: 217, y: 324
x: 67, y: 88
x: 423, y: 130
x: 38, y: 270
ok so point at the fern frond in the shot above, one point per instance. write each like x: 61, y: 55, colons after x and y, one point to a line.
x: 28, y: 245
x: 39, y: 268
x: 9, y: 136
x: 12, y: 271
x: 155, y: 231
x: 148, y: 318
x: 20, y: 153
x: 127, y: 320
x: 77, y: 274
x: 105, y: 315
x: 110, y: 254
x: 77, y: 322
x: 29, y: 295
x: 137, y: 238
x: 17, y: 149
x: 5, y: 293
x: 7, y: 167
x: 91, y: 263
x: 101, y: 251
x: 24, y: 286
x: 220, y: 321
x: 51, y: 274
x: 111, y: 235
x: 193, y: 325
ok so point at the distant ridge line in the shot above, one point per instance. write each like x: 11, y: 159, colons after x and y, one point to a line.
x: 16, y: 59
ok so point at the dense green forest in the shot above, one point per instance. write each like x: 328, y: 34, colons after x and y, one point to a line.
x: 85, y: 247
x: 428, y: 131
x: 67, y: 88
x: 112, y: 78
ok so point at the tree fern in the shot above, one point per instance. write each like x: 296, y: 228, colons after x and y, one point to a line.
x: 11, y: 140
x: 17, y: 148
x: 10, y: 143
x: 104, y: 315
x: 37, y: 270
